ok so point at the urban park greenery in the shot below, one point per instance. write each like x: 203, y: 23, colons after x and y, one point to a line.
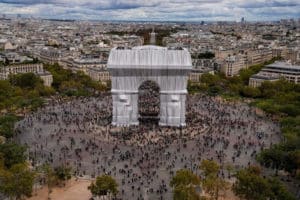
x: 212, y: 183
x: 14, y: 97
x: 187, y: 185
x: 251, y: 185
x: 26, y: 91
x: 184, y: 185
x: 16, y: 181
x: 16, y: 177
x: 7, y: 123
x: 69, y: 83
x: 104, y: 185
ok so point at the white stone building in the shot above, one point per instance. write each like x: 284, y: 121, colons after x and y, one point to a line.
x: 232, y: 65
x: 37, y: 69
x: 257, y: 79
x: 276, y: 71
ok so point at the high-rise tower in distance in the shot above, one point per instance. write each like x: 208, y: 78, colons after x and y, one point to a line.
x: 153, y: 37
x: 242, y: 20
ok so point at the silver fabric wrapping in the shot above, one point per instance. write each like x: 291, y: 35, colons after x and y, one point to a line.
x: 129, y: 68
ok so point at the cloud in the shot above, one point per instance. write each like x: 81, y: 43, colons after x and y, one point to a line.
x: 269, y: 3
x: 183, y: 10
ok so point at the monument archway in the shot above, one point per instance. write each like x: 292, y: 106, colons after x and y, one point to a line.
x: 168, y: 68
x: 149, y: 102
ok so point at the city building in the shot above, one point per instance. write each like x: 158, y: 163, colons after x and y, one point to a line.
x: 276, y: 71
x: 153, y: 37
x: 232, y: 65
x: 202, y: 66
x: 37, y: 69
x: 98, y: 74
x: 49, y: 55
x: 257, y: 79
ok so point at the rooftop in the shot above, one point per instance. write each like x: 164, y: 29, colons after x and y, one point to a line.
x: 150, y: 56
x: 283, y: 65
x: 265, y: 76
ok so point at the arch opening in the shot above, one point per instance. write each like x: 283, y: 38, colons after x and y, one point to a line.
x: 149, y: 103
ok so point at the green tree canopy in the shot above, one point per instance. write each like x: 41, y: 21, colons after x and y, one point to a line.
x: 12, y: 154
x: 183, y: 184
x: 209, y: 168
x: 7, y: 123
x: 16, y: 182
x: 26, y: 80
x: 250, y: 185
x: 104, y: 185
x: 73, y: 84
x: 211, y: 182
x: 279, y: 191
x: 49, y: 176
x: 63, y: 173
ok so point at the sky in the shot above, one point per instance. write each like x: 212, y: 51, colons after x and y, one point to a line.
x: 154, y: 10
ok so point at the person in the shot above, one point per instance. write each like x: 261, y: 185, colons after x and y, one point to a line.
x: 143, y: 158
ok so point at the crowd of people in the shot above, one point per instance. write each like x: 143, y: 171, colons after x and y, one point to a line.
x: 149, y: 96
x: 144, y: 158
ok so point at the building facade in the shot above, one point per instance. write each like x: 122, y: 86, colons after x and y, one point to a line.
x: 257, y: 79
x: 276, y: 71
x: 232, y: 65
x: 37, y: 69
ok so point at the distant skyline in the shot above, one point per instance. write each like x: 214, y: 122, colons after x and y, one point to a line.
x: 154, y: 10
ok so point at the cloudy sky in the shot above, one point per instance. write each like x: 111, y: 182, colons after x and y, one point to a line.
x: 157, y: 10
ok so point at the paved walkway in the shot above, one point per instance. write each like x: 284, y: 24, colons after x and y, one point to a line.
x: 144, y: 158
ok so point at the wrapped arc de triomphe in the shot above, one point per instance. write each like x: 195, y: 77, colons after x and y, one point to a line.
x: 131, y: 67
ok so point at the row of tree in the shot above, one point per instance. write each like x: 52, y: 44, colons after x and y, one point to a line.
x: 208, y: 185
x: 74, y: 84
x: 249, y: 185
x: 17, y: 181
x: 22, y: 91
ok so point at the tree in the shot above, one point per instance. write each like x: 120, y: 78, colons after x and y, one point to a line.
x: 250, y: 185
x: 73, y: 84
x: 209, y: 167
x: 211, y: 183
x: 279, y: 192
x: 104, y: 185
x: 183, y: 184
x: 26, y: 80
x: 284, y: 156
x: 250, y: 92
x: 50, y: 177
x: 215, y: 186
x: 7, y: 123
x: 12, y: 154
x: 63, y: 173
x: 230, y: 169
x: 17, y: 181
x: 272, y: 157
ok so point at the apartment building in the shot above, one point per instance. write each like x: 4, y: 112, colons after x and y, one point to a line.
x: 232, y: 65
